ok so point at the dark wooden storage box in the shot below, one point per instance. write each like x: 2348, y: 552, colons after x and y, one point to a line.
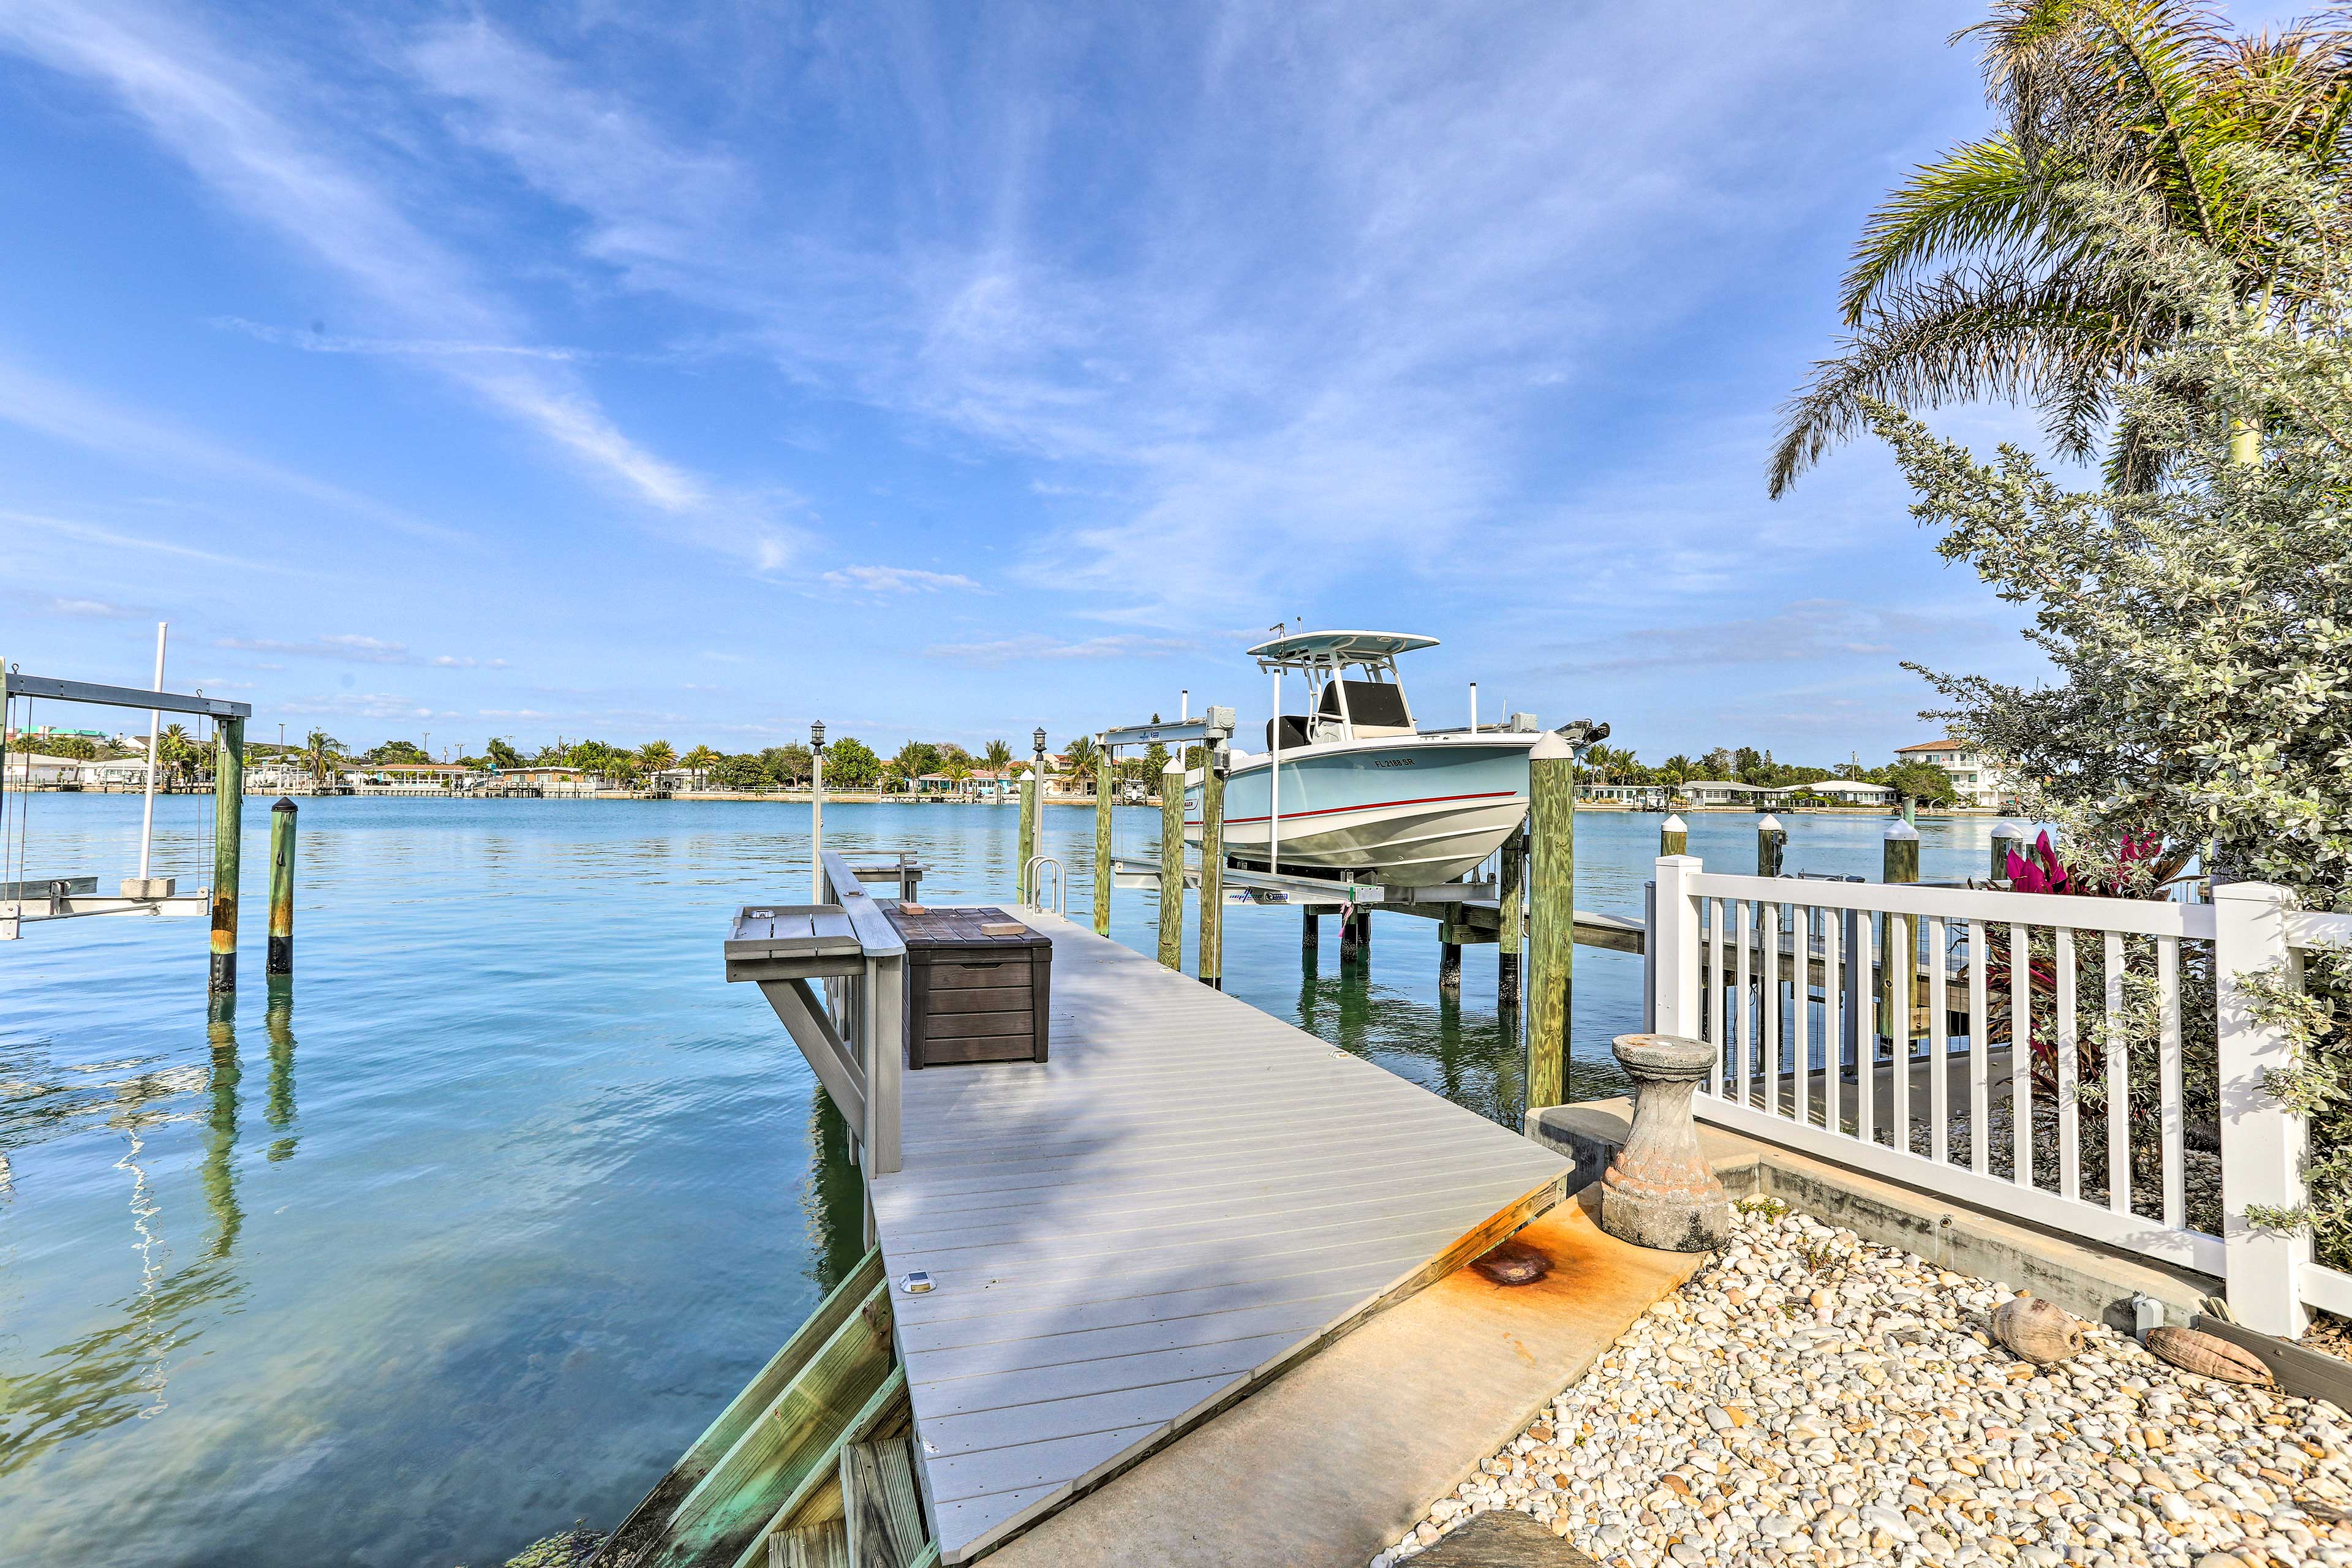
x: 970, y: 997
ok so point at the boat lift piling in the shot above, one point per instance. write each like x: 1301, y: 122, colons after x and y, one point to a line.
x: 281, y: 887
x: 228, y: 845
x: 1213, y: 868
x: 1171, y: 861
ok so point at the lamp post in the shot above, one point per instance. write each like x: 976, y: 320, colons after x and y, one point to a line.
x: 816, y: 811
x: 1036, y: 848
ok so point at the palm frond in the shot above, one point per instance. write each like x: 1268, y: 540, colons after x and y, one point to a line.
x: 1982, y: 199
x: 1969, y: 334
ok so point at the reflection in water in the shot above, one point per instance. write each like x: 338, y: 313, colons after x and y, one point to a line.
x: 1475, y: 1055
x: 121, y: 1371
x: 278, y: 1024
x: 219, y: 1166
x: 837, y: 1199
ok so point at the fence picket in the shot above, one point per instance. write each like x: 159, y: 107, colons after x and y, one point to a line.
x: 2070, y: 1127
x: 1746, y: 1034
x: 1979, y: 1054
x: 1940, y: 1077
x: 1903, y: 953
x: 1832, y: 1020
x: 2021, y: 1053
x: 1800, y: 1013
x: 1768, y: 995
x: 2172, y: 1119
x: 2119, y: 1090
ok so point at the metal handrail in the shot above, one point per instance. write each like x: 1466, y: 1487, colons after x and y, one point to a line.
x: 1029, y: 870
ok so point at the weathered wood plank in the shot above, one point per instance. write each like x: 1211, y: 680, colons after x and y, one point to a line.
x: 885, y: 1522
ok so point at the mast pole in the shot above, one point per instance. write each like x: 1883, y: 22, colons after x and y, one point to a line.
x: 154, y: 735
x: 1273, y: 783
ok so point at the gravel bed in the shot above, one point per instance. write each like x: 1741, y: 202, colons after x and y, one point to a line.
x: 1810, y: 1398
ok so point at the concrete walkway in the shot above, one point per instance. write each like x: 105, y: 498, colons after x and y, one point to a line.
x: 1335, y: 1460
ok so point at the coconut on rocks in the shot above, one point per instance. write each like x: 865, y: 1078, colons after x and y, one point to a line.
x: 1810, y: 1398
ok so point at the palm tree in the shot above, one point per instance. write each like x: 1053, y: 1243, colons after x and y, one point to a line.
x: 702, y: 759
x: 322, y: 756
x: 1078, y: 762
x: 998, y: 755
x: 655, y: 756
x: 1986, y: 273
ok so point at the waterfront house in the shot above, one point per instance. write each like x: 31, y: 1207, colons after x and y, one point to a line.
x: 1854, y: 792
x: 1976, y: 779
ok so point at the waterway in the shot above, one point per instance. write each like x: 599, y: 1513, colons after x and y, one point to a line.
x: 462, y: 1235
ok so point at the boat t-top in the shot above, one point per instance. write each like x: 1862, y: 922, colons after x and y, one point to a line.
x: 1353, y: 787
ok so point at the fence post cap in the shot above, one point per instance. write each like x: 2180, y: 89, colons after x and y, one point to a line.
x: 2250, y: 893
x: 1899, y: 829
x: 285, y: 805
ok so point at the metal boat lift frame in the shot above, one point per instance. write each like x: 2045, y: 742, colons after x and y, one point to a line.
x: 74, y: 897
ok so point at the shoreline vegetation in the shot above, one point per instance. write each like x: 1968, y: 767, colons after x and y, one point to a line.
x: 853, y: 771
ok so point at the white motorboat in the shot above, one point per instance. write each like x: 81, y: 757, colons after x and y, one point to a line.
x: 1353, y: 787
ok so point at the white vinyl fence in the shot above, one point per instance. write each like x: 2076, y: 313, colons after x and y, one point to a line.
x: 1877, y: 1025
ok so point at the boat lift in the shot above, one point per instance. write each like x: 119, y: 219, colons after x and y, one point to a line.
x: 26, y: 900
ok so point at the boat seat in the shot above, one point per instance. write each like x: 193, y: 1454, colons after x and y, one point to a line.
x: 1294, y: 731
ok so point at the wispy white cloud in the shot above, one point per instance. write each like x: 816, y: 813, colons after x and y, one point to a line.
x: 353, y: 648
x: 224, y: 114
x: 324, y: 343
x: 897, y: 580
x: 1330, y: 320
x: 62, y: 412
x: 1039, y: 645
x: 114, y: 539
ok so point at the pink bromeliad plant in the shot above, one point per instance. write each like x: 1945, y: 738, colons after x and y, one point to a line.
x: 2139, y: 864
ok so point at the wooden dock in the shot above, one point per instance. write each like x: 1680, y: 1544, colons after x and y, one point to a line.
x: 1189, y: 1197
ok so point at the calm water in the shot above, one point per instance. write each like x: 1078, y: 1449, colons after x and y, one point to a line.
x: 466, y: 1234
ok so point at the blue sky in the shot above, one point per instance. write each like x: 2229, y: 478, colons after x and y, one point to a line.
x: 691, y: 371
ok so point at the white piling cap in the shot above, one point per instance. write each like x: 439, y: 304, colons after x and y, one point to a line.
x: 1674, y: 825
x: 2012, y: 828
x: 1550, y: 749
x: 1771, y: 824
x: 1898, y: 828
x: 1175, y: 765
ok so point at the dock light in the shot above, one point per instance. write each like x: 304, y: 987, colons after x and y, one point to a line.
x: 1037, y: 739
x: 816, y: 735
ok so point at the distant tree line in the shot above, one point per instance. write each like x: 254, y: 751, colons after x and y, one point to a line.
x: 1921, y: 780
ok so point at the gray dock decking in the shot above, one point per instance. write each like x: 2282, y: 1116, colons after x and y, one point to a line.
x: 1185, y: 1199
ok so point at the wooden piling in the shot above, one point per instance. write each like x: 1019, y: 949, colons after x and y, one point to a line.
x: 1102, y: 841
x: 229, y: 843
x: 1310, y: 933
x: 1449, y: 968
x: 1771, y: 845
x: 1897, y: 963
x: 1027, y: 830
x: 2008, y: 838
x: 1212, y: 969
x: 281, y: 887
x: 1172, y: 863
x: 1511, y: 900
x: 1673, y: 836
x: 1352, y: 937
x: 1551, y: 924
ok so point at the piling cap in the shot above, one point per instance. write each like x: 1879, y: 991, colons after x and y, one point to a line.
x: 1175, y: 765
x: 285, y: 805
x: 1550, y: 749
x: 1674, y: 825
x: 2012, y: 828
x: 1771, y: 824
x: 1898, y: 828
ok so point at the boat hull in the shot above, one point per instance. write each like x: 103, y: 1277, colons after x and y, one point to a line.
x: 1409, y: 813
